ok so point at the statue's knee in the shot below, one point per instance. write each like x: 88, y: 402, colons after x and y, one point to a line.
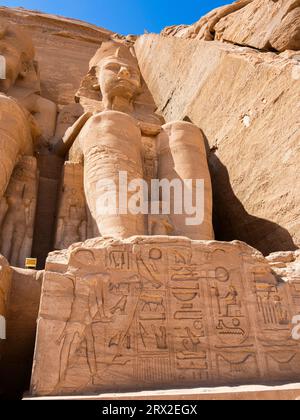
x: 183, y: 136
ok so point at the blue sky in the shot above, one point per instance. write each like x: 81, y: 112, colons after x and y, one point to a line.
x: 125, y: 16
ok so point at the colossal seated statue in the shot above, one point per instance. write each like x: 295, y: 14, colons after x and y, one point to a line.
x: 27, y: 121
x: 125, y: 143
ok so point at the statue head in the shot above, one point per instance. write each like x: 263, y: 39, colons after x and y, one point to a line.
x: 17, y: 49
x: 118, y: 75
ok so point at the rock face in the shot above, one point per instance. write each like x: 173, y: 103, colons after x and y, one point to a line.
x: 161, y: 312
x: 242, y: 100
x: 269, y: 25
x: 22, y: 312
x: 20, y: 292
x: 266, y: 25
x: 286, y: 265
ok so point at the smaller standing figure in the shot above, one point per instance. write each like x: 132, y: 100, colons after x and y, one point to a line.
x: 18, y: 213
x: 88, y: 307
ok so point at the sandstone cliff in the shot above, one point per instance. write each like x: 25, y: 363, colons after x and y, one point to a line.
x: 247, y: 104
x: 225, y: 74
x: 263, y: 24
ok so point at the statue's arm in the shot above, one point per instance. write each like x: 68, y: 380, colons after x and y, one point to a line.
x: 63, y: 146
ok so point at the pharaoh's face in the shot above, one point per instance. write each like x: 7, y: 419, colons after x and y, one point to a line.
x: 119, y: 77
x: 13, y: 65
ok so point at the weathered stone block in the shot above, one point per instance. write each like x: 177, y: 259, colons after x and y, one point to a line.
x: 161, y: 312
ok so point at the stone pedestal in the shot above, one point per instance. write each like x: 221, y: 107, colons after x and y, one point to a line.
x: 154, y: 313
x: 289, y: 392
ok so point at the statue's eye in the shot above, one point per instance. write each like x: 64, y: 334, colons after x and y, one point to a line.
x: 113, y: 67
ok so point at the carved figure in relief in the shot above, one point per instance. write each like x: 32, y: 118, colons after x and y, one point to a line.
x: 72, y: 228
x: 18, y: 213
x: 161, y: 337
x: 72, y: 224
x: 192, y: 343
x: 233, y: 306
x: 230, y: 302
x: 88, y: 307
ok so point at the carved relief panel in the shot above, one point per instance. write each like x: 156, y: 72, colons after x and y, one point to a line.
x: 153, y: 313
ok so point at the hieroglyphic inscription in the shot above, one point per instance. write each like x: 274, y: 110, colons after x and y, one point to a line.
x: 150, y: 313
x: 187, y: 315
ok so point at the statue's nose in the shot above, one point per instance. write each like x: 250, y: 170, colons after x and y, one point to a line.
x: 124, y: 72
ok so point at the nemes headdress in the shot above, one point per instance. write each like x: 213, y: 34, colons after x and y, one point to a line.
x: 113, y: 49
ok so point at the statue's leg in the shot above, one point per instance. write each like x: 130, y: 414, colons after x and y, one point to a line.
x: 65, y: 355
x: 91, y: 353
x: 111, y: 143
x: 182, y: 157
